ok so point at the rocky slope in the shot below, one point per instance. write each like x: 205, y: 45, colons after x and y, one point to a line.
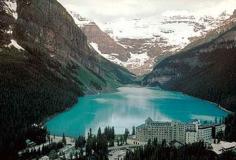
x: 45, y: 64
x: 95, y: 35
x: 206, y: 70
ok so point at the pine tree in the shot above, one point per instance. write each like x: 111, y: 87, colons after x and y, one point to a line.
x: 63, y: 139
x: 90, y: 132
x: 133, y: 130
x: 99, y: 133
x: 126, y: 135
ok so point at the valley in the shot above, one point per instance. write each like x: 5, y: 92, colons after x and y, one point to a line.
x: 116, y: 73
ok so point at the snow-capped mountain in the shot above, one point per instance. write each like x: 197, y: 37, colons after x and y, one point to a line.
x: 138, y: 44
x: 175, y: 28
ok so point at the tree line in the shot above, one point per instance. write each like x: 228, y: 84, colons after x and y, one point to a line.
x: 195, y: 151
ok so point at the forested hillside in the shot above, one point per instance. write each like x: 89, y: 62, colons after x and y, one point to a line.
x: 45, y: 64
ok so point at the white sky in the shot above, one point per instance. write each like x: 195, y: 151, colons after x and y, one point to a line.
x: 109, y: 10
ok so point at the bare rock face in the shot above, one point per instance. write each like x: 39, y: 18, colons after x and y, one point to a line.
x: 50, y: 30
x: 106, y: 44
x: 207, y: 71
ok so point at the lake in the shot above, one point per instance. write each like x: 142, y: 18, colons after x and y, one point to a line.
x: 128, y: 107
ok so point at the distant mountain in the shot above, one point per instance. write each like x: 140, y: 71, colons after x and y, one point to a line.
x: 45, y: 64
x: 206, y: 70
x: 138, y: 44
x: 111, y: 49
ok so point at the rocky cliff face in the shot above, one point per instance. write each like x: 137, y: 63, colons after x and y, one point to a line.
x: 105, y: 43
x: 45, y: 64
x: 207, y: 70
x: 52, y: 31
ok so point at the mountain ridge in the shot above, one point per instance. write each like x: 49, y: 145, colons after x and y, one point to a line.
x: 161, y: 41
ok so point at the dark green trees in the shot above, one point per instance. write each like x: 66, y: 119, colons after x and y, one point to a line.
x: 230, y: 130
x: 153, y: 151
x: 97, y: 145
x: 133, y: 130
x: 126, y: 135
x: 80, y: 142
x: 63, y: 139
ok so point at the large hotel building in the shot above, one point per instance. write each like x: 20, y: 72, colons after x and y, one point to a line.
x: 176, y: 131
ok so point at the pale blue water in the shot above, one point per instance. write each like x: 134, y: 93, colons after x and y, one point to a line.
x: 128, y: 107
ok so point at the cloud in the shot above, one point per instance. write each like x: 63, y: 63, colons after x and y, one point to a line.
x: 108, y: 10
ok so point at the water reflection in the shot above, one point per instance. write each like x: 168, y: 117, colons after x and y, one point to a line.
x: 128, y: 107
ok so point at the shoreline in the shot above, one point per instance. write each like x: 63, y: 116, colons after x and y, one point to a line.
x: 224, y: 109
x: 218, y: 105
x: 43, y: 122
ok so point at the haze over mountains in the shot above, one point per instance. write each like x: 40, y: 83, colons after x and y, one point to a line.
x: 138, y: 44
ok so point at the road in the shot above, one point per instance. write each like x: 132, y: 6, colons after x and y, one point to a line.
x: 119, y: 152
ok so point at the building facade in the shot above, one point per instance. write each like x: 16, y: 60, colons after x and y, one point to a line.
x: 191, y: 137
x: 185, y: 133
x: 168, y: 131
x: 205, y: 133
x: 151, y: 130
x: 219, y: 128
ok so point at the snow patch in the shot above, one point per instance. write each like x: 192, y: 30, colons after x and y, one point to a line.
x: 52, y: 55
x: 139, y: 59
x: 95, y: 46
x: 15, y: 44
x: 135, y: 60
x: 10, y: 8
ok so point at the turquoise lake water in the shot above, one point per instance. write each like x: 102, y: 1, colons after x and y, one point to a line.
x: 128, y: 107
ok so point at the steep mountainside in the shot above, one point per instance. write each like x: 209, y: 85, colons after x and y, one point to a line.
x: 96, y: 36
x: 45, y: 64
x: 208, y: 70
